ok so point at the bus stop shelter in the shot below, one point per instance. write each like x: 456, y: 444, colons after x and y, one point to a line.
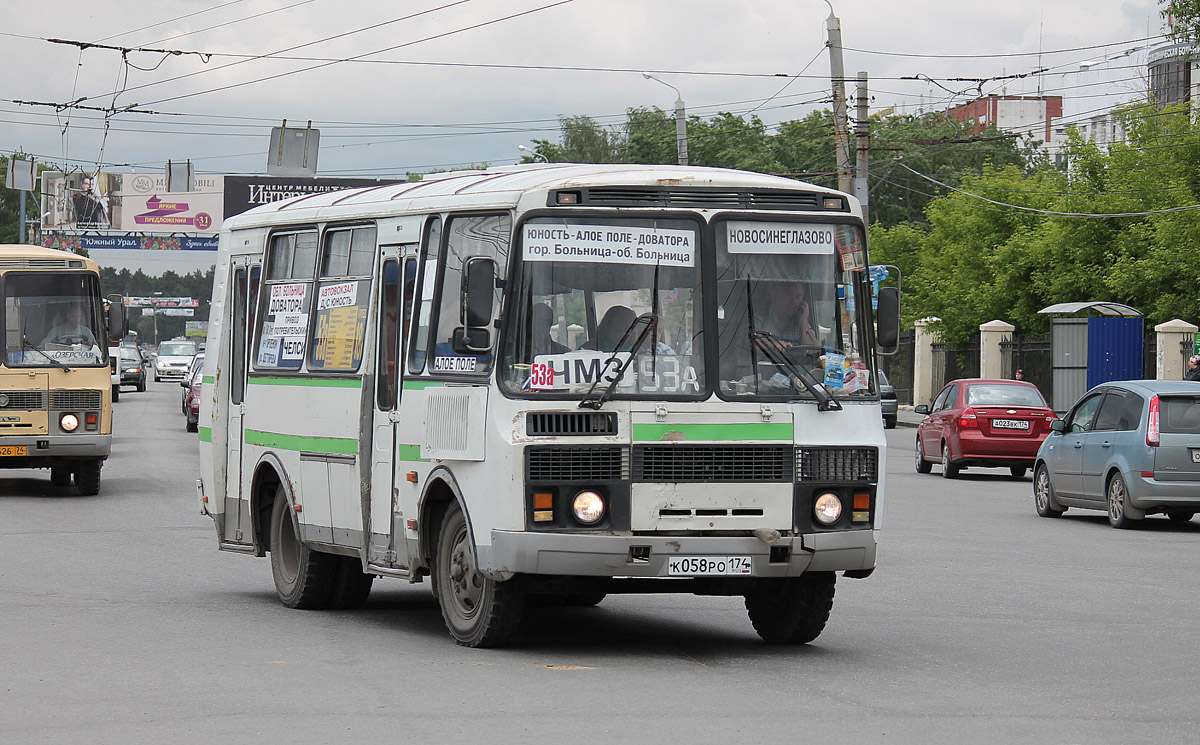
x: 1087, y: 350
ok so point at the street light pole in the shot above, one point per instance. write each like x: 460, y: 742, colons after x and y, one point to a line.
x: 681, y: 140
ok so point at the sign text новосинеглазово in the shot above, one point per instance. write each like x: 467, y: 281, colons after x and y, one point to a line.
x: 610, y: 244
x: 743, y: 236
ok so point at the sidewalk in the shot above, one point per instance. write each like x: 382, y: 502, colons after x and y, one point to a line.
x: 906, y: 418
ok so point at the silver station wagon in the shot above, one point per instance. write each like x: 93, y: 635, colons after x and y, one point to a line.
x: 1131, y: 448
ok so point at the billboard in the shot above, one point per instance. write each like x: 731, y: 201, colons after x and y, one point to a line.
x: 130, y: 202
x: 245, y: 192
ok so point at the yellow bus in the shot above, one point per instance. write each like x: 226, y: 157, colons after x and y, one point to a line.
x: 55, y: 389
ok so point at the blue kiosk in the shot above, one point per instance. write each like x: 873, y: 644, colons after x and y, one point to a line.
x: 1103, y: 345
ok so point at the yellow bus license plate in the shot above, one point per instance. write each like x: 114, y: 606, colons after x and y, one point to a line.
x: 12, y: 450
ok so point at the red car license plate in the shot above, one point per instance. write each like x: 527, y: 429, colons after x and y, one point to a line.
x: 1011, y: 423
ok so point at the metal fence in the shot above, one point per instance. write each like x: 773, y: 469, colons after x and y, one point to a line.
x: 951, y: 363
x: 899, y: 367
x: 1031, y: 355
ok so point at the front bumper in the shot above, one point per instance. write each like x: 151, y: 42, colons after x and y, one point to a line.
x: 46, y: 451
x: 644, y: 556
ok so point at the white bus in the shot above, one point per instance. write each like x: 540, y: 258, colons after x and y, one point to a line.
x: 550, y: 383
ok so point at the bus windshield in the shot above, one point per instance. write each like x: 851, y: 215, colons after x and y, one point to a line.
x: 52, y: 320
x: 790, y: 315
x: 600, y: 300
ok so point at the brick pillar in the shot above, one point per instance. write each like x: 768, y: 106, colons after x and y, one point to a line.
x: 923, y: 392
x: 991, y: 334
x: 1170, y: 362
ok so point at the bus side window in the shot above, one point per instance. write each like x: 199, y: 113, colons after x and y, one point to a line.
x: 281, y: 324
x: 428, y: 281
x: 468, y: 237
x: 237, y: 353
x: 387, y: 360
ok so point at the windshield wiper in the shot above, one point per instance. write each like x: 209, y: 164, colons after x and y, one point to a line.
x: 651, y: 324
x: 26, y: 344
x: 771, y: 347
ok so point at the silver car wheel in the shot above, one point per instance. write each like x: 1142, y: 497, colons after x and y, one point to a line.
x: 1117, y: 496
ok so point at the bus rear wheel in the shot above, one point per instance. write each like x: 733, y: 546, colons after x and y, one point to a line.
x: 479, y: 612
x: 792, y: 610
x: 87, y: 477
x: 351, y: 585
x: 303, y: 577
x: 60, y: 476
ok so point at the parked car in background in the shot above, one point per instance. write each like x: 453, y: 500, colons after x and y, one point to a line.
x: 133, y: 369
x: 173, y: 359
x: 195, y: 367
x: 983, y: 422
x: 1131, y: 448
x: 192, y: 408
x: 887, y: 397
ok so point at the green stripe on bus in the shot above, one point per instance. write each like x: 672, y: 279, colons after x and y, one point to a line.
x: 310, y: 382
x: 328, y: 445
x: 410, y: 453
x: 745, y: 431
x: 208, y: 379
x: 206, y: 434
x: 417, y: 385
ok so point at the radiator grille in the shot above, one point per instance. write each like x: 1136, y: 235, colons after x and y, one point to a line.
x: 570, y: 423
x: 837, y: 464
x: 69, y: 400
x: 23, y: 400
x: 576, y: 463
x: 675, y: 463
x: 713, y: 198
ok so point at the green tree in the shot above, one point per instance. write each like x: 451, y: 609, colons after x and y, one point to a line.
x: 1186, y: 14
x: 10, y: 204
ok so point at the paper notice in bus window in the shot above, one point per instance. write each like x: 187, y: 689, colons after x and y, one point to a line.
x: 287, y: 299
x: 288, y: 324
x: 291, y: 348
x: 610, y: 244
x: 835, y: 370
x: 850, y: 251
x: 338, y: 295
x: 268, y: 351
x: 339, y: 337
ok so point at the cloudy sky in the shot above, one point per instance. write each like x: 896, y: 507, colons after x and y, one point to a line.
x: 402, y: 86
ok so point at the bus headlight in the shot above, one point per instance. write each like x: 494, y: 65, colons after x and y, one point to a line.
x: 588, y: 507
x: 69, y: 422
x: 828, y: 508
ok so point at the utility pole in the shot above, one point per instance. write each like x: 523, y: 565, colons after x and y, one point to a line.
x: 681, y: 137
x: 862, y: 131
x: 845, y: 164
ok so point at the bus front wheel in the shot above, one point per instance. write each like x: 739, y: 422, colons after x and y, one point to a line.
x: 87, y: 477
x: 792, y: 610
x: 479, y: 612
x: 303, y: 577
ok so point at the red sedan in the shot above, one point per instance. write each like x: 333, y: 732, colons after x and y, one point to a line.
x: 983, y: 422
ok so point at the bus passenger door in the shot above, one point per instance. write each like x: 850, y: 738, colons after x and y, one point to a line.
x: 238, y: 528
x: 397, y: 279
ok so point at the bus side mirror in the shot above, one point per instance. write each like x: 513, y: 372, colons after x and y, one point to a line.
x: 887, y: 320
x: 478, y: 290
x: 115, y: 319
x: 469, y: 340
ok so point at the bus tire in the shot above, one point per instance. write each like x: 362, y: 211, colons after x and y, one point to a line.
x: 87, y: 477
x: 351, y: 585
x: 60, y: 476
x: 116, y: 393
x: 478, y: 611
x: 792, y: 610
x: 303, y: 577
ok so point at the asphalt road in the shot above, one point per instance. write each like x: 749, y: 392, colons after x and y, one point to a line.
x: 120, y: 622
